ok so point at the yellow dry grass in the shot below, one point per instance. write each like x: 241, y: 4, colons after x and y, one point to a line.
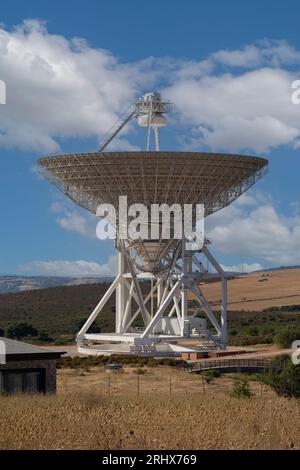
x: 259, y: 290
x: 95, y: 421
x: 84, y: 416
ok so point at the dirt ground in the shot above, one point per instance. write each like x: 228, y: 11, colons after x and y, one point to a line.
x: 153, y: 380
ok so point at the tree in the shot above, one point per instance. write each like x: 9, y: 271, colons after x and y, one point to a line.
x: 20, y: 330
x: 1, y: 332
x: 283, y: 376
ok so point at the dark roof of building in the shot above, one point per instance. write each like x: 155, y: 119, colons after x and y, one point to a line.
x: 19, y: 350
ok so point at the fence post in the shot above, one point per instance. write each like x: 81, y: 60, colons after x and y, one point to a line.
x: 138, y: 385
x: 170, y: 385
x: 109, y: 383
x: 203, y: 384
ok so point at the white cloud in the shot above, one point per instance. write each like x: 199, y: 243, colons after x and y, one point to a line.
x: 57, y: 207
x: 78, y: 268
x: 256, y: 230
x: 57, y: 88
x: 75, y: 222
x: 251, y: 111
x: 265, y: 52
x: 235, y: 133
x: 122, y: 145
x: 243, y: 267
x: 69, y: 218
x: 249, y: 56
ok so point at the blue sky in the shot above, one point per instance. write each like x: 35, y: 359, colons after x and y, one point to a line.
x: 227, y: 66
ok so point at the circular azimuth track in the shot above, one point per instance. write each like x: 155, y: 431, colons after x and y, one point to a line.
x: 212, y: 179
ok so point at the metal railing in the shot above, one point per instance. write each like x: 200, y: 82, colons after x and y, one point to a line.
x: 225, y: 364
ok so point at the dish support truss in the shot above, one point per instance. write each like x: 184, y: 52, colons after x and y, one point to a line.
x: 169, y: 298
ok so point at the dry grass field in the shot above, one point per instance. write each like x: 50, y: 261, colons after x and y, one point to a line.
x: 258, y: 291
x: 83, y: 415
x: 150, y: 381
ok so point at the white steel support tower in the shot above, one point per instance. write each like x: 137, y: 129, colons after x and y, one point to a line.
x: 165, y: 308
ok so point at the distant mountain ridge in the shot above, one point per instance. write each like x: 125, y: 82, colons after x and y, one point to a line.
x: 15, y: 284
x: 279, y: 268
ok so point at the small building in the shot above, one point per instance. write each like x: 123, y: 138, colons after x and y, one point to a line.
x: 27, y: 368
x: 193, y: 355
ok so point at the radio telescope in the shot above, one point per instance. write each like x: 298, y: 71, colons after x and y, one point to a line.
x: 159, y: 300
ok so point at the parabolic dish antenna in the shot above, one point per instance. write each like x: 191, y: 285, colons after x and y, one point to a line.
x: 212, y: 179
x: 155, y: 177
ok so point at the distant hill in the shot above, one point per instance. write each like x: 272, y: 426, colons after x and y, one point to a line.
x: 259, y: 290
x: 279, y: 268
x: 13, y: 284
x: 57, y: 310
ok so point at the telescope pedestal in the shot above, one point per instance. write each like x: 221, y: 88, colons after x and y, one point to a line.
x: 164, y: 310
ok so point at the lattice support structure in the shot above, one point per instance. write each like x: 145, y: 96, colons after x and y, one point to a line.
x: 165, y: 308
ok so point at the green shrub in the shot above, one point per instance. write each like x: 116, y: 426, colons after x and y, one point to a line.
x: 240, y: 388
x: 286, y: 336
x: 252, y: 330
x: 250, y: 376
x: 44, y: 337
x: 78, y: 324
x: 211, y: 375
x: 283, y: 376
x: 233, y: 332
x: 267, y: 329
x: 250, y: 340
x: 284, y: 308
x: 130, y: 360
x: 20, y: 330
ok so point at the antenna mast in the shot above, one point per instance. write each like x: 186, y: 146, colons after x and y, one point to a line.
x: 149, y: 111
